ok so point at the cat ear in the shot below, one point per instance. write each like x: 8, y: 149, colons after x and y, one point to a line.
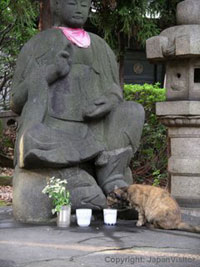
x: 125, y: 189
x: 124, y: 193
x: 111, y: 195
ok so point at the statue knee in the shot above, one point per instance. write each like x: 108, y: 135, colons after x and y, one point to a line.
x: 124, y: 126
x: 132, y: 111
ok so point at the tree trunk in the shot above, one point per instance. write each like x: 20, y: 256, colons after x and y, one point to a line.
x: 121, y: 71
x: 45, y: 15
x: 121, y: 41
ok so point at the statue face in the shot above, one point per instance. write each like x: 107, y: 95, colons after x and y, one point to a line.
x: 71, y: 13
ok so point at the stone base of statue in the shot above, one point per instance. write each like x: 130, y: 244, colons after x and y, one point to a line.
x: 183, y: 121
x: 36, y: 208
x: 30, y: 205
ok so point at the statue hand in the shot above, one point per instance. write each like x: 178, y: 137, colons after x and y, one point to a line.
x: 61, y: 66
x: 98, y: 109
x: 63, y: 61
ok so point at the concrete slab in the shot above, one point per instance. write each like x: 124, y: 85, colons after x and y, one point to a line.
x: 98, y: 245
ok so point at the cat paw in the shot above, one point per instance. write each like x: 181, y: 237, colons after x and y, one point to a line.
x: 138, y: 224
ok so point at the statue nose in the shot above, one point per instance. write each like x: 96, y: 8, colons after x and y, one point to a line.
x: 78, y: 8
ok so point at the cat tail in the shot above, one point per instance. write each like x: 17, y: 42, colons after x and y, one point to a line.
x: 188, y: 227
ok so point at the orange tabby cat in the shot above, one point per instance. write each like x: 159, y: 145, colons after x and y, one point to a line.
x: 155, y: 206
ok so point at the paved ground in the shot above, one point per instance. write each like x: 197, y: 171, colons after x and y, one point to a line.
x: 95, y: 246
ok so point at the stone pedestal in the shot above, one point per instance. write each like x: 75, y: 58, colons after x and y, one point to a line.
x: 30, y: 205
x: 183, y: 121
x: 178, y: 47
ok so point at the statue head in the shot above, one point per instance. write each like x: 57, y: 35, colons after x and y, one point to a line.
x: 70, y: 13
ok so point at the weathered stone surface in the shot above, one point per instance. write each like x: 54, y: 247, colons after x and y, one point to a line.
x: 72, y: 114
x: 187, y: 165
x: 179, y: 47
x: 187, y: 45
x: 155, y: 47
x: 184, y: 132
x: 176, y: 108
x: 185, y: 147
x: 31, y: 205
x: 182, y: 79
x: 177, y: 82
x: 183, y: 121
x: 175, y: 42
x: 182, y: 116
x: 185, y: 186
x: 191, y: 211
x: 188, y: 12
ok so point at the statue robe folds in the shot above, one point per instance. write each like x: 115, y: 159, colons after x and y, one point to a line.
x: 53, y: 131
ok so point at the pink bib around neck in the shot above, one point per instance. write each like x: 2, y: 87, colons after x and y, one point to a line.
x: 78, y: 37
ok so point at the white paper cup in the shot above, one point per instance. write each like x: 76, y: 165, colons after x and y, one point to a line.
x: 110, y: 216
x: 83, y: 217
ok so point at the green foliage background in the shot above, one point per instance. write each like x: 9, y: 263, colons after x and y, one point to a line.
x: 17, y: 25
x: 137, y: 19
x: 150, y: 162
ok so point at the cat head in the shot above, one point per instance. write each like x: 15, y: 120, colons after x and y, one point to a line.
x: 118, y: 198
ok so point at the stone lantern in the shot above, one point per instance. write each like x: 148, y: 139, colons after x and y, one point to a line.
x: 179, y: 48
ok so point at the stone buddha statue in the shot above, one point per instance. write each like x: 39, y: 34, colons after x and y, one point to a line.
x: 74, y: 122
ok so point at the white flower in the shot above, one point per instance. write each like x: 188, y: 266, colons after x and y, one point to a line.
x: 53, y: 211
x: 56, y: 190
